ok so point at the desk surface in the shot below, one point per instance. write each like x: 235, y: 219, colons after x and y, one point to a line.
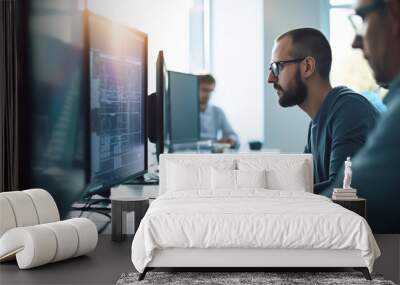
x: 126, y: 192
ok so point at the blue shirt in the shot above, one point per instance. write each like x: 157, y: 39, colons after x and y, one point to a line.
x: 212, y: 122
x: 375, y: 100
x: 339, y: 130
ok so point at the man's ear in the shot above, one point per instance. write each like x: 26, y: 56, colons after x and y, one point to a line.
x: 393, y: 10
x: 308, y: 66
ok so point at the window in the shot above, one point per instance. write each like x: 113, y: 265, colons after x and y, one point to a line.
x: 349, y: 67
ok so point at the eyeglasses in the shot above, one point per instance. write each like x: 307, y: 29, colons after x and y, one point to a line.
x: 276, y: 66
x: 357, y: 19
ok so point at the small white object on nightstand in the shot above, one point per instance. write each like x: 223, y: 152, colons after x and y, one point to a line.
x: 345, y: 193
x: 347, y: 174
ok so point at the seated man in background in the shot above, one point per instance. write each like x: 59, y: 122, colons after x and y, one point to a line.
x: 212, y: 118
x: 376, y: 168
x: 340, y: 118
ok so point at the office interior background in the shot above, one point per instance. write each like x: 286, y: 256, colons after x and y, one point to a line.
x: 233, y: 41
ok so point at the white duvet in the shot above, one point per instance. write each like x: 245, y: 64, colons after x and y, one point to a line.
x: 250, y: 219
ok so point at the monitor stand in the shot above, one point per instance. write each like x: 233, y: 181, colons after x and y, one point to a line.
x: 104, y: 192
x: 149, y: 178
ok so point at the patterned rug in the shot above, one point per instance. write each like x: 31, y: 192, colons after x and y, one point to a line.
x: 269, y: 278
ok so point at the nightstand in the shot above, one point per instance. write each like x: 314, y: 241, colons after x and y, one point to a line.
x: 125, y: 199
x: 358, y: 206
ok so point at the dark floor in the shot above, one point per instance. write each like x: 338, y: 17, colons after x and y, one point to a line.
x: 110, y: 259
x: 102, y: 266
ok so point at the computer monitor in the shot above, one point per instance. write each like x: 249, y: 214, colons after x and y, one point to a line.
x: 183, y: 108
x: 118, y: 92
x: 157, y: 108
x: 52, y: 95
x: 76, y: 133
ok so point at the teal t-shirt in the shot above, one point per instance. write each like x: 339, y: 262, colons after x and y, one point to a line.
x: 339, y: 130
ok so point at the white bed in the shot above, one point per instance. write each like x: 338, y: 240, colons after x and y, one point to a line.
x: 197, y: 222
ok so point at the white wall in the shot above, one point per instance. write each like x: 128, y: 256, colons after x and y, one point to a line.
x: 199, y: 36
x: 237, y: 57
x: 286, y: 128
x: 167, y: 24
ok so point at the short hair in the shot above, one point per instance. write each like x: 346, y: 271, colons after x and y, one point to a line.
x: 206, y: 78
x: 311, y: 42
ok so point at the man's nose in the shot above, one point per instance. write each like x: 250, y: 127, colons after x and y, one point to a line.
x: 271, y: 78
x: 357, y: 42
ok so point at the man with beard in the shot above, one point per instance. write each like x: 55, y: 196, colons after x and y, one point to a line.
x: 376, y: 168
x: 340, y: 118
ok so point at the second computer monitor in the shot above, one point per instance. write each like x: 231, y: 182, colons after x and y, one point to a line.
x: 183, y: 107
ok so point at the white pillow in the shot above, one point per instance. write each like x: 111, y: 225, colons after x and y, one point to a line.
x: 193, y: 174
x: 225, y: 179
x: 251, y: 178
x: 282, y: 174
x: 292, y: 179
x: 183, y: 177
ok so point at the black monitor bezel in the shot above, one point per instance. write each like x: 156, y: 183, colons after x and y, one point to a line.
x: 160, y: 107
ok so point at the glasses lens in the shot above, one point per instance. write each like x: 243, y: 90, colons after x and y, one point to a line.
x: 275, y: 69
x: 271, y: 69
x: 357, y: 24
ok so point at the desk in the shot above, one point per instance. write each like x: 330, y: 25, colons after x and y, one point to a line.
x: 129, y: 198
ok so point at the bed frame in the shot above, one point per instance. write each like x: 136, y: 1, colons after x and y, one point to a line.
x: 242, y: 259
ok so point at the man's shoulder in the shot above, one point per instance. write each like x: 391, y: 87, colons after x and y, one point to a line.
x: 216, y: 110
x: 349, y: 102
x: 347, y: 95
x: 214, y: 107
